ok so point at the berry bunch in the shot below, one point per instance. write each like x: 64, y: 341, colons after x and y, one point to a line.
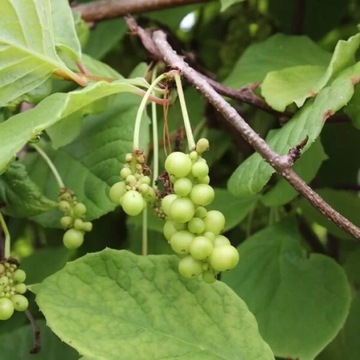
x: 191, y: 229
x: 73, y: 220
x: 12, y: 288
x: 133, y: 191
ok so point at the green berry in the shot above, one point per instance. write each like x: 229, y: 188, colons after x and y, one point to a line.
x: 201, y: 248
x: 66, y: 221
x: 196, y: 225
x: 189, y: 267
x: 6, y: 308
x: 20, y: 288
x: 224, y: 258
x: 79, y: 224
x: 214, y: 221
x: 200, y: 169
x: 125, y: 172
x: 208, y: 276
x: 73, y: 239
x: 182, y: 210
x: 20, y: 302
x: 202, y: 194
x: 180, y: 241
x: 166, y: 203
x: 202, y: 145
x: 200, y: 212
x: 221, y: 240
x: 87, y: 226
x: 182, y: 186
x: 64, y: 206
x: 178, y: 164
x: 4, y: 281
x: 117, y: 191
x: 133, y: 203
x: 19, y: 276
x: 171, y: 227
x: 79, y: 210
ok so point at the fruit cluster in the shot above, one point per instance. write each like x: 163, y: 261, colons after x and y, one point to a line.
x: 133, y: 191
x: 73, y: 220
x: 191, y: 229
x: 12, y: 288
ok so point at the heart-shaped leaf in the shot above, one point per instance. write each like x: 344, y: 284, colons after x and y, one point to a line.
x: 296, y: 299
x: 115, y: 305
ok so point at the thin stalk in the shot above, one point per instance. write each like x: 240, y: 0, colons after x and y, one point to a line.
x: 144, y: 247
x: 139, y: 115
x: 185, y: 115
x: 155, y: 135
x: 51, y: 165
x: 7, y: 241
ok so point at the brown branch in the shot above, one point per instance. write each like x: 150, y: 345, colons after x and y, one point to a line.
x: 281, y: 164
x: 109, y: 9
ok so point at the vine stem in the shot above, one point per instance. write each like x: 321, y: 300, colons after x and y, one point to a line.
x: 7, y: 241
x: 281, y: 164
x: 140, y: 112
x: 154, y: 124
x: 51, y: 165
x: 185, y: 115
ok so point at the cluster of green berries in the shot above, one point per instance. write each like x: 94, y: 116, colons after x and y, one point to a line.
x: 133, y: 191
x: 12, y: 288
x: 192, y: 230
x: 73, y: 220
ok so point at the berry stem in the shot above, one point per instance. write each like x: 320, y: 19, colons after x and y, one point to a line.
x: 185, y: 115
x: 51, y: 165
x: 139, y: 115
x: 155, y: 134
x: 7, y: 241
x: 144, y: 247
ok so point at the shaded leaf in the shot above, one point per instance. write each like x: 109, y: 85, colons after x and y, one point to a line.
x: 276, y: 53
x: 253, y: 174
x: 227, y: 3
x: 14, y: 135
x: 290, y: 293
x: 17, y: 343
x: 22, y: 196
x: 306, y: 167
x: 128, y: 310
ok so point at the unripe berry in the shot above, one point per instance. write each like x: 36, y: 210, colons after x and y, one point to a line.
x: 178, y: 164
x: 182, y: 210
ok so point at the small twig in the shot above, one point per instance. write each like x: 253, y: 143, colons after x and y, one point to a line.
x: 36, y: 332
x: 282, y: 164
x: 109, y: 9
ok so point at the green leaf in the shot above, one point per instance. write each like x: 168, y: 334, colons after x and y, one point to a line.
x: 276, y: 53
x: 351, y: 330
x: 345, y: 202
x: 138, y: 307
x: 27, y: 45
x: 352, y: 109
x: 306, y: 167
x: 66, y: 39
x: 296, y: 299
x: 22, y: 196
x: 17, y: 343
x: 253, y: 174
x: 14, y: 135
x: 296, y: 84
x: 92, y: 163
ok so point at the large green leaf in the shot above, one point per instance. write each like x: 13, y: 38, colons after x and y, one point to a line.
x: 352, y: 109
x: 306, y: 167
x: 27, y: 46
x: 14, y: 135
x: 281, y: 88
x: 91, y: 164
x: 346, y: 203
x: 22, y: 197
x: 115, y: 305
x: 253, y: 174
x: 276, y: 53
x: 296, y: 299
